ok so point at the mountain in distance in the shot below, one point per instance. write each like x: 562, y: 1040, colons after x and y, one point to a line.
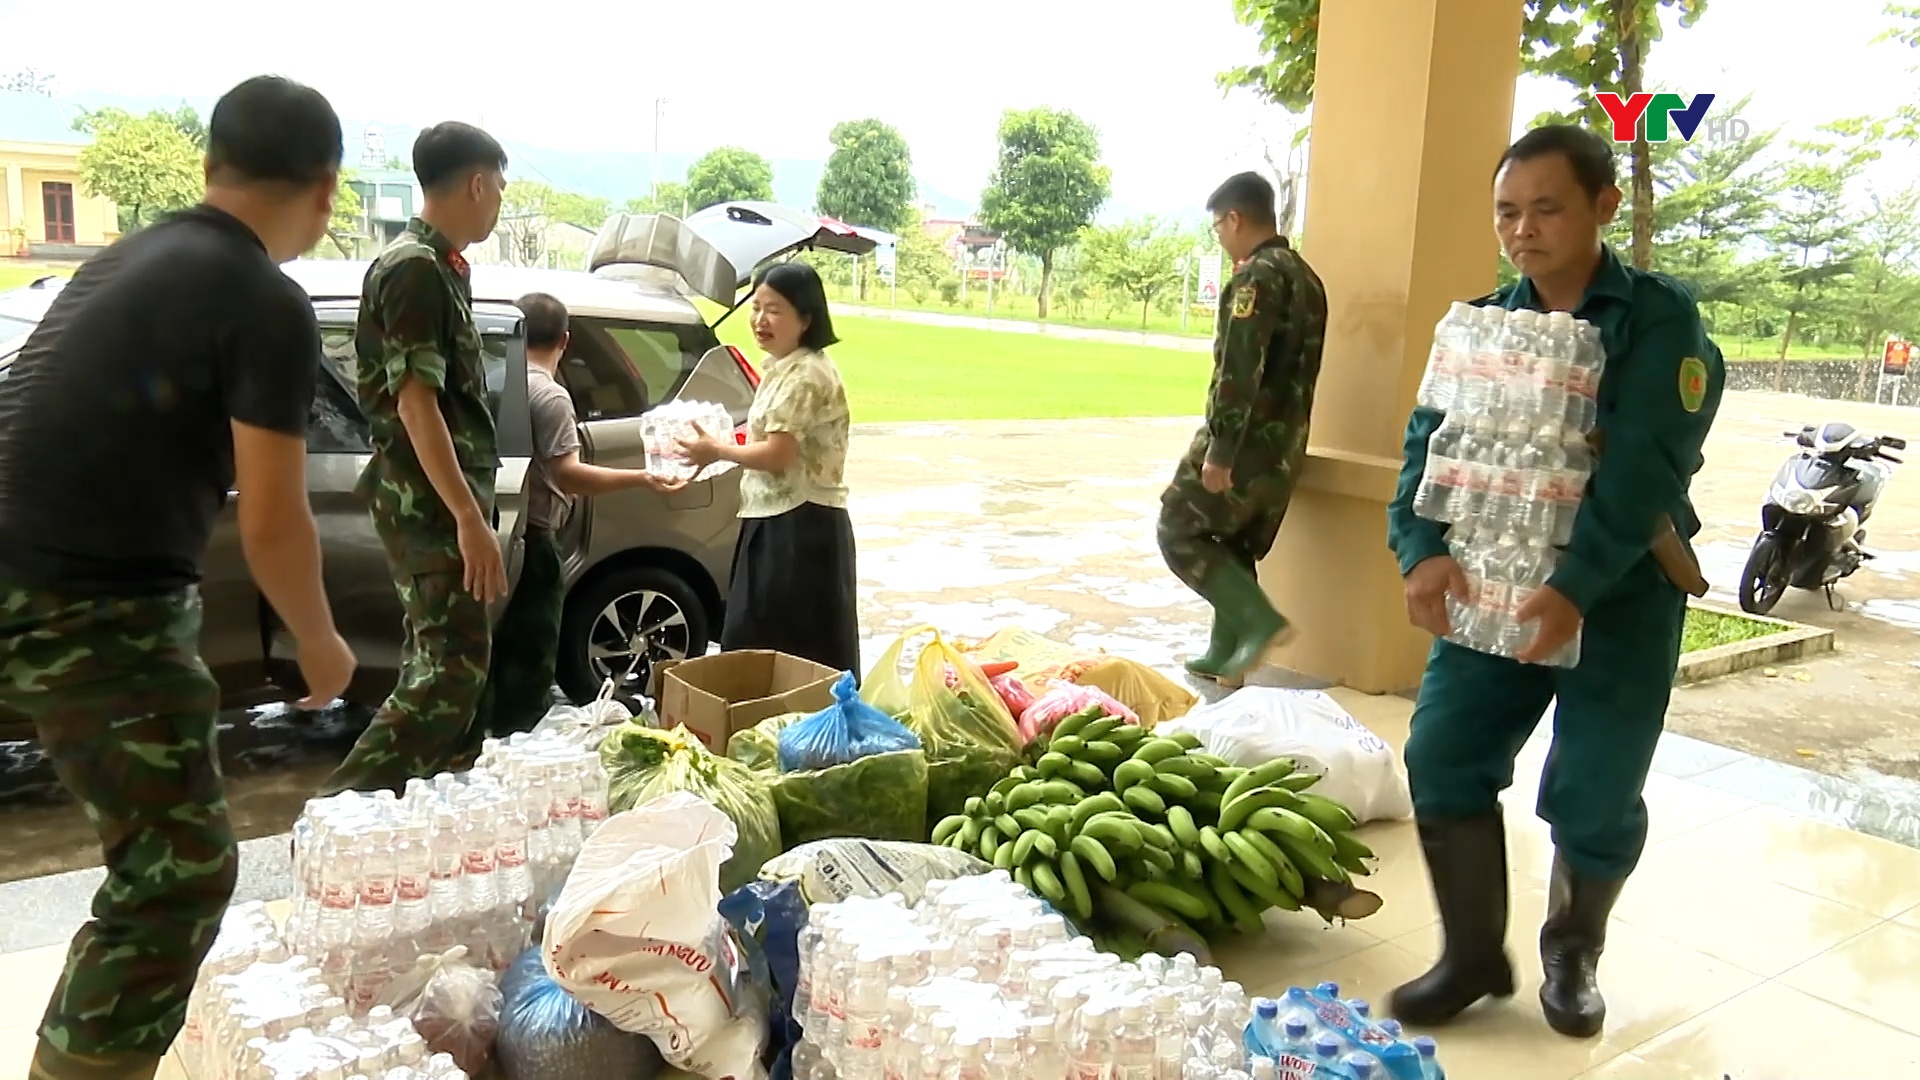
x: 615, y: 175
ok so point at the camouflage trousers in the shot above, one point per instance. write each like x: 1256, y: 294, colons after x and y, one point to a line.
x: 1200, y: 531
x: 526, y: 645
x: 422, y: 727
x: 125, y: 712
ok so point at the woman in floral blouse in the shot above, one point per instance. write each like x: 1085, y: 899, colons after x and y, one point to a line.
x: 794, y: 586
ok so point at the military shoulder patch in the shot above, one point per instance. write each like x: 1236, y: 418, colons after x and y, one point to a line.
x: 1243, y: 300
x: 1693, y: 383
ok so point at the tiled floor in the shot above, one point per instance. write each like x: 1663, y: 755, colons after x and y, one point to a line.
x: 1753, y: 944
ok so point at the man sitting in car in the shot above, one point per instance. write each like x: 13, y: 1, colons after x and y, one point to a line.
x: 526, y: 641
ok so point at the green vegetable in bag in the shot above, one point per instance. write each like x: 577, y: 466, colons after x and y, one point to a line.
x: 644, y: 763
x: 880, y: 796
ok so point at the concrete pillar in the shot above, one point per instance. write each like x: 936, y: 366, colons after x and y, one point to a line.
x: 1413, y: 104
x: 16, y: 214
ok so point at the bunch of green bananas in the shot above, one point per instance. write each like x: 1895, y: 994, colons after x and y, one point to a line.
x: 1108, y: 810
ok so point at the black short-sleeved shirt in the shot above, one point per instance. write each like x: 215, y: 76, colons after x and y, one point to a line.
x: 116, y: 444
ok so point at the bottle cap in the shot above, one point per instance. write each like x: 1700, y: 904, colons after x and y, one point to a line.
x: 1425, y: 1045
x: 1267, y: 1009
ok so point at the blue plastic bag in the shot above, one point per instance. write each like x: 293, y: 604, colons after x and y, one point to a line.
x: 846, y: 731
x: 546, y: 1034
x: 767, y: 917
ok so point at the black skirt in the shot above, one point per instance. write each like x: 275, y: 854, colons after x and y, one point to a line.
x: 795, y: 589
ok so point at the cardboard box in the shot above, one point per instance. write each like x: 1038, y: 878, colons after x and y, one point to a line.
x: 716, y: 696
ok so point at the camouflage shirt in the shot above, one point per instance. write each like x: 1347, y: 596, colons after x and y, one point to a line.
x: 1266, y: 360
x: 416, y: 321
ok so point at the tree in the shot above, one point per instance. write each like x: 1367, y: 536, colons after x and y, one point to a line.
x: 1906, y: 31
x: 27, y: 80
x: 348, y: 216
x: 729, y: 174
x: 1592, y: 45
x: 526, y: 208
x: 869, y: 177
x: 1809, y: 227
x: 586, y: 211
x: 145, y: 164
x: 1138, y: 259
x: 1713, y: 201
x: 920, y: 264
x: 1884, y: 290
x: 1048, y: 185
x: 671, y: 199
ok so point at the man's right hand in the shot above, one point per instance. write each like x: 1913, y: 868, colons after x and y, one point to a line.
x: 1429, y: 585
x: 485, y: 572
x: 326, y: 666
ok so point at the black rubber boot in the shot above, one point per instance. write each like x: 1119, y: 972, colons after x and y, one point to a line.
x: 1570, y: 943
x: 1467, y: 862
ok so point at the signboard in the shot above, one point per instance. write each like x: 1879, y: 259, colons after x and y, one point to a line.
x: 1894, y: 362
x: 373, y: 149
x: 883, y: 262
x: 1208, y: 293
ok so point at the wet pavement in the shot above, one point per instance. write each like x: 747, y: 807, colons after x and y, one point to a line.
x: 1049, y: 526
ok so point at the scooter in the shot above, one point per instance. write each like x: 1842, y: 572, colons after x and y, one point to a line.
x: 1812, y: 526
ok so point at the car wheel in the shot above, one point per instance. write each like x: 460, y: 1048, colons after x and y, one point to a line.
x: 623, y: 625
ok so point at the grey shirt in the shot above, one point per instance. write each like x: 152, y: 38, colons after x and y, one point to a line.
x: 554, y: 436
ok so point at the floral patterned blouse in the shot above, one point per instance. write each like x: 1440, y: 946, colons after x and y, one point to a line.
x: 800, y: 394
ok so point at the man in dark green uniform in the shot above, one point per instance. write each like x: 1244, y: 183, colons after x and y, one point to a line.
x: 1220, y: 515
x: 1621, y: 584
x: 177, y: 366
x: 423, y: 387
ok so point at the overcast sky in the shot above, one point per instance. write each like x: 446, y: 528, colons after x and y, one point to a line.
x: 775, y: 76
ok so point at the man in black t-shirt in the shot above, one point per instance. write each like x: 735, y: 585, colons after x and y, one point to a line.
x: 178, y: 365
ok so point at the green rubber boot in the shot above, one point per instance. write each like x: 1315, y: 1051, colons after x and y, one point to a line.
x: 1220, y: 645
x: 1258, y: 626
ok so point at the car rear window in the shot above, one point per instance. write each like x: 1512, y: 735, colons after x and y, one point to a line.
x: 336, y: 425
x: 618, y: 369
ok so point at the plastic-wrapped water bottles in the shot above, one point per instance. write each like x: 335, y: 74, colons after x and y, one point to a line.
x: 663, y: 428
x: 461, y: 860
x: 1510, y: 462
x: 978, y: 980
x: 1315, y: 1033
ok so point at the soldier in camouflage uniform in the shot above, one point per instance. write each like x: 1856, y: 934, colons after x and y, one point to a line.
x: 1220, y: 515
x: 99, y: 604
x: 423, y: 387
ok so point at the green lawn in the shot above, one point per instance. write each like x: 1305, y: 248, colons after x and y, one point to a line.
x: 904, y: 371
x: 1708, y: 629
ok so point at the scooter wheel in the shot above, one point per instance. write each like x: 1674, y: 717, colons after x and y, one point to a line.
x: 1764, y: 581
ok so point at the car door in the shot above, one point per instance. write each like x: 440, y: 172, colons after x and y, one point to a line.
x: 366, y: 605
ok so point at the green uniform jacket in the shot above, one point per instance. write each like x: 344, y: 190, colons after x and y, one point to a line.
x: 1658, y: 396
x: 416, y: 321
x: 1266, y: 361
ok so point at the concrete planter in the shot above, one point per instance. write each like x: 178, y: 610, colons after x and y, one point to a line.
x: 1791, y: 641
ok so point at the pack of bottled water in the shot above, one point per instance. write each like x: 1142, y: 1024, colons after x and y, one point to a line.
x: 459, y: 860
x: 1313, y: 1033
x: 664, y: 427
x: 979, y: 980
x: 258, y: 1012
x: 1508, y: 466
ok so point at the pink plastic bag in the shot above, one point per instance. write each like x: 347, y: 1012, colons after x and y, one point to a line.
x: 1014, y: 692
x: 1063, y: 699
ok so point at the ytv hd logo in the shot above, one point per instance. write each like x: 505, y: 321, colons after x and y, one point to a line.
x: 1663, y: 112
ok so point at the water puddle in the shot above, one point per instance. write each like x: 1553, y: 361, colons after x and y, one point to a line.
x: 957, y: 500
x: 1904, y: 614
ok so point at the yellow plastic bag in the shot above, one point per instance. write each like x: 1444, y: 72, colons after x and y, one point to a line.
x: 1151, y: 695
x: 969, y: 738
